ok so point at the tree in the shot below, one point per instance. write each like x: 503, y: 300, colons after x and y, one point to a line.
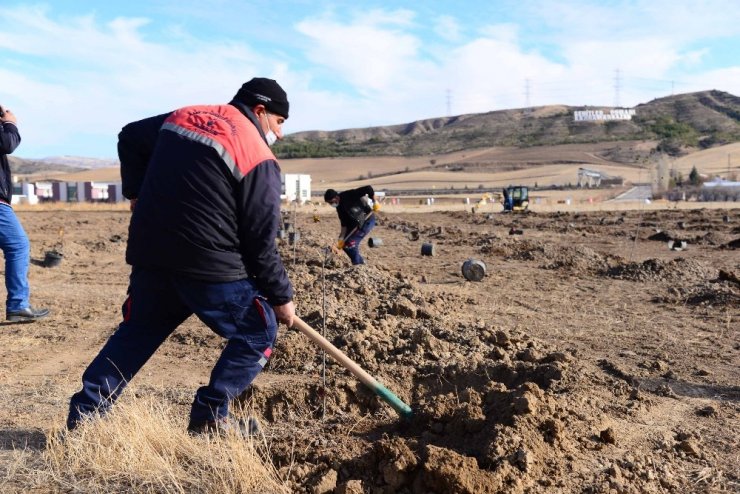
x: 694, y: 178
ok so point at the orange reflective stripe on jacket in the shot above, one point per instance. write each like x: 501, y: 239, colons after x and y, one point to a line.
x: 225, y: 129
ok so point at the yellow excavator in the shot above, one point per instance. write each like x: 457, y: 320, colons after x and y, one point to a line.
x: 516, y: 198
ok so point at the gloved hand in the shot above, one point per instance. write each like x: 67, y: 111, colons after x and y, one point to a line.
x: 340, y: 244
x: 376, y: 206
x: 366, y: 201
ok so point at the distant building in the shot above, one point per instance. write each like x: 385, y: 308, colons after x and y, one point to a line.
x: 594, y: 178
x: 721, y: 182
x: 57, y: 191
x: 296, y: 187
x: 24, y: 193
x: 601, y: 115
x: 720, y: 190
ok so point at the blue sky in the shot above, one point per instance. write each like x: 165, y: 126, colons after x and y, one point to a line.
x: 75, y: 72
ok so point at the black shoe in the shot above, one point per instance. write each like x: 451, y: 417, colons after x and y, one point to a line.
x: 29, y: 314
x: 225, y: 425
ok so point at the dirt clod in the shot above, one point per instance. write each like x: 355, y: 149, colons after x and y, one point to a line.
x: 608, y: 436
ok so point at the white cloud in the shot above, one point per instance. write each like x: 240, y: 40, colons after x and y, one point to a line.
x: 679, y: 22
x: 104, y: 75
x: 504, y: 33
x: 726, y: 79
x: 447, y: 28
x: 365, y: 53
x: 491, y: 73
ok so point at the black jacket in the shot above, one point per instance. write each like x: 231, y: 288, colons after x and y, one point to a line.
x: 9, y: 140
x: 208, y: 197
x: 351, y: 211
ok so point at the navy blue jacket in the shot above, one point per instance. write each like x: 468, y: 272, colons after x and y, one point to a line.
x: 208, y: 197
x: 9, y: 140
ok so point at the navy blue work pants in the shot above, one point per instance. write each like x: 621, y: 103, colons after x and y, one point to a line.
x: 352, y: 244
x: 157, y: 303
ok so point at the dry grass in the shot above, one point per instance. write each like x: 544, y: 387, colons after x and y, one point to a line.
x: 74, y: 206
x: 142, y: 446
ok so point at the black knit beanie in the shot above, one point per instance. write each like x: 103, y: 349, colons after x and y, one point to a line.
x: 268, y: 92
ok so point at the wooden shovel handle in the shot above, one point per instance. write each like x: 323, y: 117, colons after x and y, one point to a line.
x: 402, y: 408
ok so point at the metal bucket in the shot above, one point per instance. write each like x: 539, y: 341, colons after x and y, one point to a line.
x: 375, y: 242
x: 474, y: 270
x: 427, y: 249
x: 52, y: 258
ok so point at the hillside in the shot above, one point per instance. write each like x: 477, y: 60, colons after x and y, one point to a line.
x: 21, y: 166
x: 688, y: 121
x: 480, y: 151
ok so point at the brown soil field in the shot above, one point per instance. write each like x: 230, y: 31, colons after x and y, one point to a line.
x: 589, y: 358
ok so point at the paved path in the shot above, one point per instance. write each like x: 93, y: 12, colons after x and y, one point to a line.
x: 639, y: 193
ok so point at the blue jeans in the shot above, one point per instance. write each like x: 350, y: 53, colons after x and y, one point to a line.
x: 157, y: 303
x: 352, y: 245
x: 16, y: 248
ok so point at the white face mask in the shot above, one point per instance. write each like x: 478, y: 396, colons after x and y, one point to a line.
x: 270, y: 136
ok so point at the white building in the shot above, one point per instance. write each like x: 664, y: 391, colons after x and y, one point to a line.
x: 57, y: 191
x: 24, y: 193
x: 296, y: 187
x: 721, y: 182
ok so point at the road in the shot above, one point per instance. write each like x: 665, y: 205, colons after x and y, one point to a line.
x: 639, y: 193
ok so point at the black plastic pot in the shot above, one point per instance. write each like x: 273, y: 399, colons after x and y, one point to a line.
x: 474, y: 270
x: 427, y: 249
x: 52, y: 258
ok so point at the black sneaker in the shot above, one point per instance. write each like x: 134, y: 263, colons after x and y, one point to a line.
x: 225, y: 425
x: 29, y: 314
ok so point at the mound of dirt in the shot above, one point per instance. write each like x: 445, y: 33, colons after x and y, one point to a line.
x: 575, y: 258
x: 717, y: 294
x: 484, y: 397
x: 711, y: 238
x: 662, y: 236
x: 679, y: 270
x: 732, y: 244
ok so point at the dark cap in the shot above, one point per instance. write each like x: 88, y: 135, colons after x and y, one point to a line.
x: 330, y: 194
x: 267, y: 92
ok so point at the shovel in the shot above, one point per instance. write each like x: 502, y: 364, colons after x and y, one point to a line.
x: 384, y: 393
x: 367, y: 217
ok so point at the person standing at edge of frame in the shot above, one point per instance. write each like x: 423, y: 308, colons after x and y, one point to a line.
x: 204, y: 187
x: 13, y: 239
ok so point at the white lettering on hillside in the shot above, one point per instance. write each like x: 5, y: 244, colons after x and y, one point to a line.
x: 600, y: 115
